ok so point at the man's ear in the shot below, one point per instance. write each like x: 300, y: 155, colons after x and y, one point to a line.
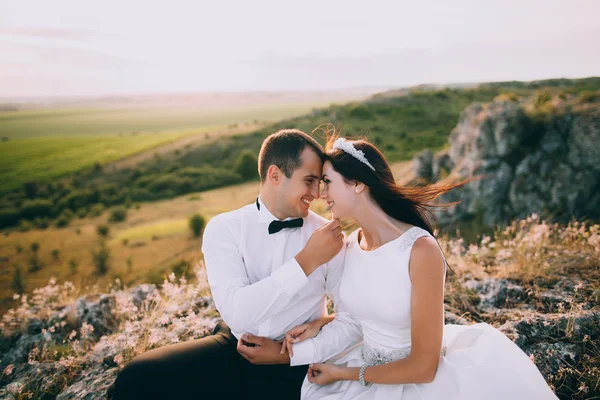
x: 274, y: 174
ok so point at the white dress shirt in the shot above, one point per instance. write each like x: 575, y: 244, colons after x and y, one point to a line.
x: 259, y: 287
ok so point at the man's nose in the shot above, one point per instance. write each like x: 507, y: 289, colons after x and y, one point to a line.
x: 315, y: 191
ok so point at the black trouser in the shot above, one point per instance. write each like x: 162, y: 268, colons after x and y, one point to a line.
x: 203, y: 368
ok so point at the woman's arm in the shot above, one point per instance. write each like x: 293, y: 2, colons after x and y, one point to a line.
x: 426, y: 270
x: 303, y: 332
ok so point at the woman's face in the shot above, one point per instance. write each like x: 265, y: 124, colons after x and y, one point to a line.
x: 340, y: 196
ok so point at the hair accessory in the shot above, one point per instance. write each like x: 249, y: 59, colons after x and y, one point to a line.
x: 349, y: 148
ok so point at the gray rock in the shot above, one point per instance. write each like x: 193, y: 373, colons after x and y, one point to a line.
x: 97, y: 313
x: 525, y: 164
x: 422, y: 165
x: 497, y: 293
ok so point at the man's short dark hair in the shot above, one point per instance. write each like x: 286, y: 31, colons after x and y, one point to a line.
x: 283, y: 148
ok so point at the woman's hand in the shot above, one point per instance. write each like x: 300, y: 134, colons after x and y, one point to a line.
x: 325, y: 374
x: 303, y: 332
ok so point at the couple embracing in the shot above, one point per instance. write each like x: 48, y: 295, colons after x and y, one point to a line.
x: 271, y: 266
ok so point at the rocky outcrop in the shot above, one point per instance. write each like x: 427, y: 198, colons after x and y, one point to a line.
x: 528, y: 161
x: 554, y: 336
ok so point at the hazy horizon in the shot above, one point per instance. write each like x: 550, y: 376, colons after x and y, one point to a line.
x: 72, y: 49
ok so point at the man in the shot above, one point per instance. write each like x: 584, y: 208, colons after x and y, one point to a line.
x: 270, y: 265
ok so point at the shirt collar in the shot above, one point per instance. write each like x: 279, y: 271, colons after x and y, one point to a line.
x: 264, y: 213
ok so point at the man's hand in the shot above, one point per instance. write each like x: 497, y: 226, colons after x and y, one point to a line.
x: 322, y: 246
x: 260, y: 350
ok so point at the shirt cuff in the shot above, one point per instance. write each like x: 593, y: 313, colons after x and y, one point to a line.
x: 304, y: 353
x: 290, y: 277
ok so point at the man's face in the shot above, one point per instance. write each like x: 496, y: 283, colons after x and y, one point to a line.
x: 297, y: 192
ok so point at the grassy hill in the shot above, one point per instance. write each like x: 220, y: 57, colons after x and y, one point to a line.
x: 153, y: 240
x: 401, y: 123
x: 45, y: 144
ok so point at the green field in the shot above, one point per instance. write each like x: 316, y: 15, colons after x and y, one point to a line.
x: 49, y: 143
x: 44, y: 158
x: 95, y: 121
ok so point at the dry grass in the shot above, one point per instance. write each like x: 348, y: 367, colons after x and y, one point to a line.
x: 153, y: 237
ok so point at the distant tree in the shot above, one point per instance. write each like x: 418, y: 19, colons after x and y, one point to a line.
x: 62, y: 221
x: 73, y: 264
x: 36, y: 208
x: 35, y: 246
x: 55, y: 254
x: 102, y: 230
x: 246, y: 165
x: 129, y: 263
x: 197, y: 223
x: 17, y: 283
x: 9, y: 217
x: 30, y: 189
x: 118, y: 214
x: 101, y: 259
x: 35, y: 263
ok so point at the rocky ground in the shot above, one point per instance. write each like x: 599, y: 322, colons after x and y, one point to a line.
x: 537, y: 283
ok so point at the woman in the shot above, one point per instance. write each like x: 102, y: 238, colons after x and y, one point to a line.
x: 393, y: 285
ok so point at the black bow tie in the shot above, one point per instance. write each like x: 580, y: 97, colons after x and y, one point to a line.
x: 276, y: 226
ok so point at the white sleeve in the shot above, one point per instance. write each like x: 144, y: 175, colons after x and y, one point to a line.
x: 241, y: 304
x: 337, y: 336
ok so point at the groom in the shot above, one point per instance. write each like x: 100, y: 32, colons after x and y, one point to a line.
x: 270, y: 266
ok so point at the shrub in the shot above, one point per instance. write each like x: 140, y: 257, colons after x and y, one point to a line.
x: 41, y: 223
x: 102, y: 230
x: 97, y: 210
x: 359, y: 111
x: 246, y: 165
x: 30, y: 189
x: 182, y: 268
x: 197, y: 223
x: 81, y: 213
x: 77, y: 199
x: 35, y: 264
x: 25, y: 225
x: 62, y: 221
x: 9, y: 217
x: 73, y: 264
x: 118, y: 214
x: 36, y: 208
x: 101, y: 259
x: 17, y: 283
x: 55, y: 254
x: 35, y: 246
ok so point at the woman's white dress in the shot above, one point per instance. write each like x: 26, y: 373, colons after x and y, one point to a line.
x: 480, y: 362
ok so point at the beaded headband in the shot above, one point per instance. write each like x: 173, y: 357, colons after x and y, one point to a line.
x: 349, y: 148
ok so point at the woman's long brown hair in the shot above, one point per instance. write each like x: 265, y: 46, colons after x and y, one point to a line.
x: 412, y: 205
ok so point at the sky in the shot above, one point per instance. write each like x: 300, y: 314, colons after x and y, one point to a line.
x: 111, y: 47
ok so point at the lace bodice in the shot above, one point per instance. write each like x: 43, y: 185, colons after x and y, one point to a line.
x: 376, y: 290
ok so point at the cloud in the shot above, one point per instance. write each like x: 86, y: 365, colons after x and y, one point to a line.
x: 45, y: 32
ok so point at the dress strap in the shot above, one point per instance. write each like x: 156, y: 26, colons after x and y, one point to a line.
x: 410, y: 237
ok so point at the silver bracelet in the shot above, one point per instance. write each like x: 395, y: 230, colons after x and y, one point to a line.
x: 361, y: 375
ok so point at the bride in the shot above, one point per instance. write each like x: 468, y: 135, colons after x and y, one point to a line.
x: 393, y: 286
